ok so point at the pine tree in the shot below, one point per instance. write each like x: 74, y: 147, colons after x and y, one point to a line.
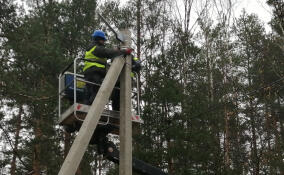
x: 39, y: 47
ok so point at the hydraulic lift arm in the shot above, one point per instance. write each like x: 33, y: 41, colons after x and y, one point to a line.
x: 112, y: 154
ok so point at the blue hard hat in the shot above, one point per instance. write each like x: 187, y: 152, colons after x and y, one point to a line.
x: 99, y: 33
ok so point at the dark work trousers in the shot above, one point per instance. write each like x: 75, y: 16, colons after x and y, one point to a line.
x: 97, y: 76
x: 94, y: 76
x: 115, y: 97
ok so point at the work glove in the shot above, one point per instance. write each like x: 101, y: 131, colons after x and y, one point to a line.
x: 127, y: 51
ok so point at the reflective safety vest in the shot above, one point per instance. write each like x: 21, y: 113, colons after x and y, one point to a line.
x: 96, y: 61
x: 135, y: 59
x: 132, y: 73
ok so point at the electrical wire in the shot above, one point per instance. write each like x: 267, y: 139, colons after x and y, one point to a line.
x: 11, y: 145
x: 267, y: 86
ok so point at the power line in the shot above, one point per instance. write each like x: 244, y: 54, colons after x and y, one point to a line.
x: 267, y: 86
x: 11, y: 145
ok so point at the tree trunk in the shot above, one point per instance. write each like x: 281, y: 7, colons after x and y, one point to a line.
x: 79, y: 171
x: 254, y: 154
x: 100, y: 165
x: 170, y: 159
x: 36, y: 153
x: 137, y: 130
x: 226, y: 119
x: 278, y: 135
x: 255, y: 159
x: 96, y: 164
x: 226, y: 139
x: 138, y: 23
x: 17, y: 133
x: 67, y: 141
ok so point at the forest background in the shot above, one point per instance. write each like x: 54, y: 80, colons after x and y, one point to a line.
x: 212, y: 84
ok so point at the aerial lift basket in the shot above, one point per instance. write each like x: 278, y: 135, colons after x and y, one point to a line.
x: 72, y: 110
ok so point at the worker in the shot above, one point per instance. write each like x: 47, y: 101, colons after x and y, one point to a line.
x: 95, y: 69
x: 136, y: 66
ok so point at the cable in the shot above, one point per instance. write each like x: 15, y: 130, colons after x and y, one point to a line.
x: 11, y: 145
x: 16, y: 153
x: 267, y: 86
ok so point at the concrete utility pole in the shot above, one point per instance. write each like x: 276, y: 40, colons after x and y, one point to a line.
x: 125, y: 130
x: 86, y: 131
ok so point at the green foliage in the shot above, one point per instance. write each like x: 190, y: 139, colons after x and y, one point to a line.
x: 212, y: 100
x: 38, y: 46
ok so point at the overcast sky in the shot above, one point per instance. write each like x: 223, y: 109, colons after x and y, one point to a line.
x: 258, y: 7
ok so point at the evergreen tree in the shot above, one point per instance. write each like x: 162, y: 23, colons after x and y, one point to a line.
x: 212, y: 99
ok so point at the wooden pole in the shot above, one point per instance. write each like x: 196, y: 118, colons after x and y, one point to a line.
x: 83, y: 138
x: 125, y: 131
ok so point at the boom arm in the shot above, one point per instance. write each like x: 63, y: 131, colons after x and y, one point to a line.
x: 112, y: 154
